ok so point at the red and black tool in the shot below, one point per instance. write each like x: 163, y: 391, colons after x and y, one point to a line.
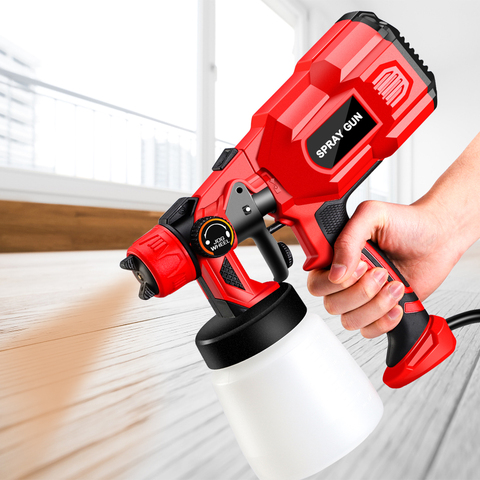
x: 352, y: 100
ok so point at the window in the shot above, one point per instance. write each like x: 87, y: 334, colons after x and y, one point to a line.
x: 254, y: 57
x: 133, y: 117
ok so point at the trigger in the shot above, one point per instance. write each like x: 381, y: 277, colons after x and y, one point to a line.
x: 246, y: 212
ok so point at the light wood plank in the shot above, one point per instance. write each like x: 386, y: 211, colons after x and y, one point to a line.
x: 459, y: 449
x: 98, y: 384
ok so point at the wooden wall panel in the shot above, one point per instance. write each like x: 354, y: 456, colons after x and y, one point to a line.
x: 41, y: 227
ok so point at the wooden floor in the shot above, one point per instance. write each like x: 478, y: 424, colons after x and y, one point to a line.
x: 97, y: 384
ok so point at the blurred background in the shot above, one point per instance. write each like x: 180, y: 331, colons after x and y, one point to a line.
x: 109, y: 111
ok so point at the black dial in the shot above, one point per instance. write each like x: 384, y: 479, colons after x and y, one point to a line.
x: 212, y: 237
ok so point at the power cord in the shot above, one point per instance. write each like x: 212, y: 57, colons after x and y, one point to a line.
x: 462, y: 319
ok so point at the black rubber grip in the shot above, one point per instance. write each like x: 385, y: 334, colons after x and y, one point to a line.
x: 404, y: 336
x: 332, y: 216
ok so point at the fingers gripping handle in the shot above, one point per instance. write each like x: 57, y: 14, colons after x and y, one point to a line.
x: 420, y: 341
x: 415, y: 318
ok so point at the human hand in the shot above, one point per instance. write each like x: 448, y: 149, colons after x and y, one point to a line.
x: 417, y: 240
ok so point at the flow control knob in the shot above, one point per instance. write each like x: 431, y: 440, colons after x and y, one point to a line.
x: 212, y: 237
x: 286, y: 254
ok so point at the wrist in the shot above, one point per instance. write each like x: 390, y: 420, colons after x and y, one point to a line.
x: 455, y: 228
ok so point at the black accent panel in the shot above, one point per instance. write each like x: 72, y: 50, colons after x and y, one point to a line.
x: 390, y: 33
x: 332, y: 216
x: 179, y: 220
x: 225, y: 158
x: 229, y: 276
x: 180, y: 215
x: 224, y: 342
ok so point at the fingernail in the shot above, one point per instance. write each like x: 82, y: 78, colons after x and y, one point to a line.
x: 395, y: 290
x: 337, y: 272
x: 361, y: 269
x: 394, y: 313
x: 380, y: 276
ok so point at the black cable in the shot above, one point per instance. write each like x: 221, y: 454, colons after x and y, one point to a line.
x: 462, y: 319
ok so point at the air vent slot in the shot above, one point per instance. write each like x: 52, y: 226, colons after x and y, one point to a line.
x: 391, y: 85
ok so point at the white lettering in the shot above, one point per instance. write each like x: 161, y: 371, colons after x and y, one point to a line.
x: 358, y: 116
x: 347, y: 126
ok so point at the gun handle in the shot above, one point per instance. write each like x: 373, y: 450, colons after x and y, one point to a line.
x: 420, y: 341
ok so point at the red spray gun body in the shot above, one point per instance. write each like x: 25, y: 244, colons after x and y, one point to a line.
x: 352, y: 100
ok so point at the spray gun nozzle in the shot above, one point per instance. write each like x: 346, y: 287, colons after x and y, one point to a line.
x: 148, y: 285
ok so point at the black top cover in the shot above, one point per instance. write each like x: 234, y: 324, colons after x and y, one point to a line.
x: 226, y: 341
x: 391, y: 34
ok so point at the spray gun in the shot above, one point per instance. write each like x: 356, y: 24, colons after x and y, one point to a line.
x: 295, y: 398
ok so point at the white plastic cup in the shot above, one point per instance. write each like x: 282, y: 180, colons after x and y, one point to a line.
x: 300, y: 405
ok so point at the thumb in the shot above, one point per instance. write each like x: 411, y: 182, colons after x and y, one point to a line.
x: 369, y: 217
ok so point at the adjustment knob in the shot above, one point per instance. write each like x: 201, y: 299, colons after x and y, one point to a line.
x: 286, y: 253
x: 160, y: 262
x: 212, y: 237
